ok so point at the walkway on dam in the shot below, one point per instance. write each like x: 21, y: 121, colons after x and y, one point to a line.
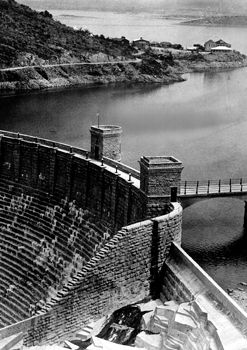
x: 213, y: 187
x: 191, y: 190
x: 188, y: 189
x: 116, y: 169
x: 71, y: 64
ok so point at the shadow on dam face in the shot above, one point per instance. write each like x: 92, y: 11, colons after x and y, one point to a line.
x: 154, y: 269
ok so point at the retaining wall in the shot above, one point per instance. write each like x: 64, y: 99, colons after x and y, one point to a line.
x: 183, y: 280
x: 122, y: 272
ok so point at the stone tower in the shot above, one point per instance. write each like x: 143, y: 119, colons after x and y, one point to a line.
x: 157, y: 176
x: 106, y: 142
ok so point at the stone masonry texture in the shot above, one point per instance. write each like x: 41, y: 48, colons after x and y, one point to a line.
x: 126, y: 268
x: 123, y: 272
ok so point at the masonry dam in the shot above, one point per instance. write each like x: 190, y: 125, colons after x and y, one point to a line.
x: 82, y: 234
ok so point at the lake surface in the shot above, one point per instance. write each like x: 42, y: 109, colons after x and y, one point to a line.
x: 150, y: 26
x: 202, y: 122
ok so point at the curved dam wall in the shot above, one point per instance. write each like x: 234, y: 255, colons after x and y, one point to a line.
x: 43, y: 245
x: 65, y: 239
x: 63, y: 171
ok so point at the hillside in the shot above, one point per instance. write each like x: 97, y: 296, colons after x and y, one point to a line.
x: 226, y: 21
x: 37, y: 52
x: 28, y: 37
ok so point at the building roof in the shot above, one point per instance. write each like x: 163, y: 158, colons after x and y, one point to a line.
x: 140, y: 39
x: 209, y: 41
x: 191, y: 48
x: 220, y: 41
x: 221, y: 48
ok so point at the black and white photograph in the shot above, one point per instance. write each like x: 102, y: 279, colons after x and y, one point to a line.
x: 123, y: 174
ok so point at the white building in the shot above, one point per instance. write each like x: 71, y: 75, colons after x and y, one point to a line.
x: 221, y: 49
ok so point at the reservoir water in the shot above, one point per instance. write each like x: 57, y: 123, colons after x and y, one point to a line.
x: 201, y: 121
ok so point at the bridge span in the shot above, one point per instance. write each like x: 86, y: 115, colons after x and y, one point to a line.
x: 196, y: 191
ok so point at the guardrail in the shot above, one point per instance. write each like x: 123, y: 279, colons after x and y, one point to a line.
x: 213, y: 186
x: 45, y: 142
x: 131, y: 172
x: 122, y: 167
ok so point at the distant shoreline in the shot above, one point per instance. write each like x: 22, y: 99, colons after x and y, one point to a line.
x: 16, y: 80
x: 218, y: 21
x: 212, y: 25
x: 40, y: 53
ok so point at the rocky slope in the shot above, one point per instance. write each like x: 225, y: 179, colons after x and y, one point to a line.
x: 29, y: 37
x: 31, y: 78
x: 202, y: 62
x: 151, y: 69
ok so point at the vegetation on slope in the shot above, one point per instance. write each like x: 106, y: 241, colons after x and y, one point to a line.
x: 29, y: 37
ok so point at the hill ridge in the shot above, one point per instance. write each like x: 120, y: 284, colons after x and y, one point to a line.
x: 28, y: 37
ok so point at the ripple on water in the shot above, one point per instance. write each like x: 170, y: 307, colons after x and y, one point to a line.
x: 213, y: 235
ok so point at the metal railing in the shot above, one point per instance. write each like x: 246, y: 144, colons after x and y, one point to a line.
x: 45, y: 142
x: 213, y: 186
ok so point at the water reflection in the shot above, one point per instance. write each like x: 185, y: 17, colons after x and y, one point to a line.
x: 213, y: 78
x: 213, y: 235
x: 218, y: 254
x: 136, y: 90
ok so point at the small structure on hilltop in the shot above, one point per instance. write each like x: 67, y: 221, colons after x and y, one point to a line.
x: 221, y: 49
x: 141, y: 43
x: 222, y: 43
x: 209, y: 45
x: 199, y: 46
x: 193, y: 48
